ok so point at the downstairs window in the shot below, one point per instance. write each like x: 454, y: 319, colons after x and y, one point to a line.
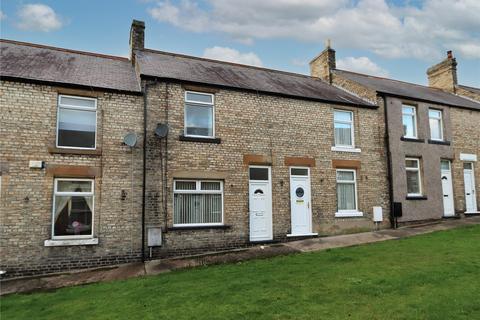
x: 197, y: 203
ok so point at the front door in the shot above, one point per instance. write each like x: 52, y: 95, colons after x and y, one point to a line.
x: 300, y: 202
x: 260, y: 201
x: 446, y: 176
x: 469, y: 178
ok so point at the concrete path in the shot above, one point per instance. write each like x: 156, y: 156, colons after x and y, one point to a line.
x: 154, y: 267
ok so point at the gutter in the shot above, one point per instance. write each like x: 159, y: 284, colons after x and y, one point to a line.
x: 393, y: 221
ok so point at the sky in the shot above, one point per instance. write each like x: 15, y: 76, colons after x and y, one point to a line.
x: 396, y: 39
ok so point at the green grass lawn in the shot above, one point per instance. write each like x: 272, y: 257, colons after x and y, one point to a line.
x: 434, y: 276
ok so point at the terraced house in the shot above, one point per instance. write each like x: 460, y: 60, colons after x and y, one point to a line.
x: 107, y: 159
x: 433, y: 138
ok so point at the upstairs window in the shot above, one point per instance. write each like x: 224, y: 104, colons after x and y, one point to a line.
x: 77, y: 122
x: 436, y: 124
x: 409, y: 119
x: 199, y: 114
x: 414, y: 179
x: 197, y: 202
x: 343, y: 129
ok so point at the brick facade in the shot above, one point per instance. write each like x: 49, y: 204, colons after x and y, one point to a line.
x: 28, y: 131
x: 253, y: 130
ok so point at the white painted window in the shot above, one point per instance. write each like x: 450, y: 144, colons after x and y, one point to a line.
x: 414, y: 177
x: 344, y: 130
x: 409, y: 119
x: 76, y: 122
x: 199, y: 115
x: 197, y: 202
x: 346, y: 191
x: 435, y: 118
x: 73, y: 208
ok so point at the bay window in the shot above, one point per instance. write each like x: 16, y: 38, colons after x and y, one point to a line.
x: 197, y: 202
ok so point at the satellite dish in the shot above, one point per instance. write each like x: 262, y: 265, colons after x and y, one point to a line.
x: 130, y: 139
x: 161, y: 131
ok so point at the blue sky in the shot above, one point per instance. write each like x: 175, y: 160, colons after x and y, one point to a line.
x: 398, y: 39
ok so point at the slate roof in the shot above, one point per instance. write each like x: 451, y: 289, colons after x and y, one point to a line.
x: 471, y: 89
x: 408, y: 90
x: 19, y: 60
x: 205, y: 71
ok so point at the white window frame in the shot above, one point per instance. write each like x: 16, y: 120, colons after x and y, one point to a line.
x: 197, y: 190
x: 198, y: 103
x: 72, y: 107
x: 414, y: 116
x: 347, y: 213
x: 60, y: 193
x: 440, y: 119
x: 419, y: 172
x: 351, y: 123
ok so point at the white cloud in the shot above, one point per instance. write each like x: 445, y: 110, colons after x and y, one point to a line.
x: 38, y: 17
x: 299, y: 62
x: 2, y: 15
x: 390, y: 31
x: 361, y: 65
x: 232, y: 55
x: 470, y: 50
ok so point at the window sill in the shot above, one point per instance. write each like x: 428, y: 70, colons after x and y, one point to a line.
x: 348, y: 214
x: 55, y: 150
x: 70, y: 242
x: 346, y: 149
x: 412, y: 139
x: 199, y: 139
x: 416, y: 198
x: 180, y: 228
x: 441, y: 142
x: 472, y: 213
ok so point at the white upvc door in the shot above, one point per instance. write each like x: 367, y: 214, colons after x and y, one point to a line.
x: 300, y: 202
x: 470, y: 195
x: 447, y: 188
x: 260, y: 202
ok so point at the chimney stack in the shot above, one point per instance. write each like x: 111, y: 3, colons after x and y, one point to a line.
x: 137, y: 37
x: 444, y: 74
x: 322, y: 65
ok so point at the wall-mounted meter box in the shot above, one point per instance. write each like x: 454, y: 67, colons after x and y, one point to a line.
x: 154, y: 238
x: 377, y: 214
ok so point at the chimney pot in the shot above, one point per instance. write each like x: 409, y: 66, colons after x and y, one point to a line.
x: 449, y: 54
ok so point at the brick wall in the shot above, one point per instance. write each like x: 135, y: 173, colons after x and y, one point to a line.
x: 269, y: 127
x: 28, y: 129
x: 273, y: 128
x: 466, y: 138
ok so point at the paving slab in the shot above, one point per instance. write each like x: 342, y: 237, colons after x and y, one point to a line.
x: 131, y: 270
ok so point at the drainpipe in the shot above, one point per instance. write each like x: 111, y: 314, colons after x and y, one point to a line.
x: 393, y: 222
x: 144, y: 178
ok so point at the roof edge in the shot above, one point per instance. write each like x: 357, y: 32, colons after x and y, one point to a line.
x: 231, y: 63
x: 383, y: 93
x: 368, y: 106
x: 87, y: 53
x: 69, y: 85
